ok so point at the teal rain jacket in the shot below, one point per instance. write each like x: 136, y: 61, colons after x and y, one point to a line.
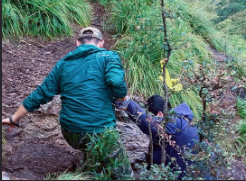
x: 87, y: 79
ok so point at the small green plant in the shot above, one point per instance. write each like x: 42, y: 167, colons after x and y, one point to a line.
x: 71, y: 176
x: 241, y: 108
x: 99, y: 162
x: 240, y: 141
x: 158, y: 172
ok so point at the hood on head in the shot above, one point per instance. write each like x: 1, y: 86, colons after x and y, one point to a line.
x: 82, y: 51
x: 184, y: 110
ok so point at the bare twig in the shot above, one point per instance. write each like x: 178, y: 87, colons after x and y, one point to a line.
x: 167, y: 53
x: 150, y: 143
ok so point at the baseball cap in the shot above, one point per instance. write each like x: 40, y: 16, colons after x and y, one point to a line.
x: 95, y: 33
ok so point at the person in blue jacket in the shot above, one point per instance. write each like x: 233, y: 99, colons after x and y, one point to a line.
x: 180, y: 133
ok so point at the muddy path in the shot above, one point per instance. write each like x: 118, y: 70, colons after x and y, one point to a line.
x: 38, y: 147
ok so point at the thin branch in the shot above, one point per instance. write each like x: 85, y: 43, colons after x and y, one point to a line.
x: 150, y: 144
x: 166, y: 59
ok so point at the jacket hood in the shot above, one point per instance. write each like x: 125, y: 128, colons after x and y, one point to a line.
x: 184, y: 110
x: 82, y: 51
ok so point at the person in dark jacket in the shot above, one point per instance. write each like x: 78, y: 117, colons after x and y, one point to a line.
x: 87, y: 79
x: 180, y: 132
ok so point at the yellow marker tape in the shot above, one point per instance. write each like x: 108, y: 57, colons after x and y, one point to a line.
x: 171, y: 83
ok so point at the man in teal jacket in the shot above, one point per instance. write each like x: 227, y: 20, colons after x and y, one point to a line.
x: 87, y: 80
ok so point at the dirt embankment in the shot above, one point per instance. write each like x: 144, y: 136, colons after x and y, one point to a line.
x: 37, y: 148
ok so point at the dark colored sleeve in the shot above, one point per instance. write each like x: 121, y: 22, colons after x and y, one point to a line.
x: 170, y: 128
x: 44, y: 92
x: 177, y: 125
x: 115, y: 76
x: 138, y: 115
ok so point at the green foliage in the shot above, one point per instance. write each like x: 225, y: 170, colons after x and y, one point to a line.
x: 97, y: 152
x: 190, y: 32
x: 240, y: 141
x: 158, y: 172
x: 208, y: 163
x: 241, y: 108
x: 71, y: 176
x: 11, y: 20
x: 234, y: 24
x: 228, y: 8
x: 43, y: 18
x: 190, y: 96
x: 141, y: 45
x: 99, y: 147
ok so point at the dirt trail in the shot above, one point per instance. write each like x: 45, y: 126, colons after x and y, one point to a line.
x: 37, y: 148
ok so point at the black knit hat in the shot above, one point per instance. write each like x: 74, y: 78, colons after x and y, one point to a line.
x: 156, y: 103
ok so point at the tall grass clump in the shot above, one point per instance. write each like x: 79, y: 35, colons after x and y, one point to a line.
x: 227, y: 17
x: 241, y: 108
x: 11, y: 20
x: 100, y: 162
x: 227, y: 8
x: 139, y: 25
x: 234, y: 24
x: 240, y: 142
x: 43, y: 18
x: 71, y: 176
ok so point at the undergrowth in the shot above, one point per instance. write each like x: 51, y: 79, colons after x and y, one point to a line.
x: 240, y: 141
x: 191, y: 32
x: 241, y: 107
x: 98, y: 164
x: 43, y: 18
x: 139, y: 25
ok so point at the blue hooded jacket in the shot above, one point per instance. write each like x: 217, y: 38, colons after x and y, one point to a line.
x: 182, y: 133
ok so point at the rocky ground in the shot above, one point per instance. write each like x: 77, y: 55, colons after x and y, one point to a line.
x: 37, y: 148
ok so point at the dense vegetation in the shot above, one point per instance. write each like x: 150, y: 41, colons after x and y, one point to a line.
x: 191, y: 33
x: 197, y: 30
x: 43, y: 18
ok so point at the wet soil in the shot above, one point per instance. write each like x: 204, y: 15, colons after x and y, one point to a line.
x: 38, y: 147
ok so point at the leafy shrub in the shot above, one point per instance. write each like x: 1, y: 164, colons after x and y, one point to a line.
x: 43, y: 18
x: 97, y: 151
x: 190, y: 32
x: 158, y: 172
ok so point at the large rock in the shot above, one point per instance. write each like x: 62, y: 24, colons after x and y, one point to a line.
x: 134, y: 140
